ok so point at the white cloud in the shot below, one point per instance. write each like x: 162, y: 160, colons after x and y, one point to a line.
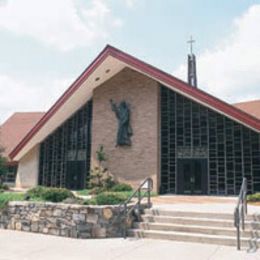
x: 64, y: 24
x: 19, y: 96
x: 231, y: 70
x: 131, y: 3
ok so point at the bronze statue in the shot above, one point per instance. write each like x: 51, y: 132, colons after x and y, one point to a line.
x: 124, y: 131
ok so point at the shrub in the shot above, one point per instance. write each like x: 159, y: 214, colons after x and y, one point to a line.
x: 49, y: 194
x: 36, y: 192
x: 10, y: 196
x: 99, y: 175
x: 4, y: 187
x: 110, y: 198
x: 122, y: 187
x: 96, y: 190
x: 254, y: 197
x: 57, y: 194
x: 90, y: 202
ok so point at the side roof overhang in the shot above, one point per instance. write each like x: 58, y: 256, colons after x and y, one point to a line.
x: 107, y: 64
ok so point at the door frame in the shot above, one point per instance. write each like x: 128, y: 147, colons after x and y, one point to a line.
x: 180, y: 177
x: 80, y: 171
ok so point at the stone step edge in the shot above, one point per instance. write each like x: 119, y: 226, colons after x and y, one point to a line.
x: 190, y: 234
x: 198, y: 213
x: 197, y: 218
x: 191, y: 226
x: 247, y: 233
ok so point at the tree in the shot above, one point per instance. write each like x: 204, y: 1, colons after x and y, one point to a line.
x: 99, y: 175
x: 3, y: 166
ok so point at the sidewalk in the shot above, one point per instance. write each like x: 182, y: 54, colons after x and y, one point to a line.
x: 16, y: 245
x: 199, y: 204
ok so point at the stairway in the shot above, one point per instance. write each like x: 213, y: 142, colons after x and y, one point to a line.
x: 200, y: 227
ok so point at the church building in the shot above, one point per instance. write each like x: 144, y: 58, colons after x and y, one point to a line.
x: 150, y: 124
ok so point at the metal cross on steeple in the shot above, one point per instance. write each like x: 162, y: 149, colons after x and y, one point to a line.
x: 192, y: 75
x: 191, y: 41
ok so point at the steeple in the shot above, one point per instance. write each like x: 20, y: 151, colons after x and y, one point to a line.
x: 192, y: 74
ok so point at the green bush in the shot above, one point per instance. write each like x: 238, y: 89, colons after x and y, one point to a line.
x: 110, y: 198
x: 254, y: 197
x: 36, y: 192
x: 49, y: 194
x: 90, y: 202
x: 122, y: 187
x: 57, y: 194
x: 10, y: 196
x: 4, y: 187
x: 97, y: 190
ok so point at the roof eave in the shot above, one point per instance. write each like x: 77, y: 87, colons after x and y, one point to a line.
x: 160, y: 76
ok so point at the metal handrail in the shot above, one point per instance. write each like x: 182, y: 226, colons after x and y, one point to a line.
x: 126, y: 210
x: 241, y: 211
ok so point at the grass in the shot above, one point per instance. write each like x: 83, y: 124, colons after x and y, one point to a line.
x: 253, y: 197
x: 84, y: 192
x: 5, y: 197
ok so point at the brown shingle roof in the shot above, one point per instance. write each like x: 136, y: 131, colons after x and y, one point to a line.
x: 14, y: 129
x: 251, y: 107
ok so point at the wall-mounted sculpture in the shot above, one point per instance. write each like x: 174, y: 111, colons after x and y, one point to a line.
x: 124, y: 131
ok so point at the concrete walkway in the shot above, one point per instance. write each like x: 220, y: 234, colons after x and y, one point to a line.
x: 15, y: 245
x: 199, y: 204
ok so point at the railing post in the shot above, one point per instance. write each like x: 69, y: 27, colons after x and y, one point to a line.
x: 245, y: 198
x: 243, y: 215
x: 139, y: 201
x: 149, y: 193
x: 237, y: 225
x: 125, y: 220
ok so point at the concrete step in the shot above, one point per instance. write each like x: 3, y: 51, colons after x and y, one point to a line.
x: 173, y: 213
x: 191, y: 237
x: 197, y: 221
x: 194, y: 214
x: 194, y: 229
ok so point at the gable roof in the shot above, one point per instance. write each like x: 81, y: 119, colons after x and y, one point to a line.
x: 251, y: 107
x: 108, y: 63
x: 14, y: 129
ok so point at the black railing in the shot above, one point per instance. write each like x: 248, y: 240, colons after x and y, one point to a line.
x: 240, y: 211
x: 125, y: 208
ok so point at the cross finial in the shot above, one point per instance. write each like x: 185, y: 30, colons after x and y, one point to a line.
x: 191, y: 41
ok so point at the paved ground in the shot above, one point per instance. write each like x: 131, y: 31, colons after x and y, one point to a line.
x: 200, y: 203
x: 181, y: 199
x: 16, y: 245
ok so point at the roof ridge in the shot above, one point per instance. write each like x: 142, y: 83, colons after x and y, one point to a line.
x: 153, y: 72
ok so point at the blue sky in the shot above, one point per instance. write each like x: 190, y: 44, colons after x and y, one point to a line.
x: 45, y: 45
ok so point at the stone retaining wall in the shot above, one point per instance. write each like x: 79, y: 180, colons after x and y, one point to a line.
x: 75, y: 221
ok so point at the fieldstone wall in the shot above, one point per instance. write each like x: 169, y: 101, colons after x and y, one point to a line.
x: 66, y: 220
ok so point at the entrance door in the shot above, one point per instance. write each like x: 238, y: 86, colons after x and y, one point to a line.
x: 192, y: 176
x: 76, y: 172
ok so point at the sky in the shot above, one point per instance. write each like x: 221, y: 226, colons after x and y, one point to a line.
x: 46, y: 44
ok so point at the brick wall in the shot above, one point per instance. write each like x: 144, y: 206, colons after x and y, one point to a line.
x: 129, y: 164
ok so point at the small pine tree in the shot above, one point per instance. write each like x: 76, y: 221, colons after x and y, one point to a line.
x: 99, y: 176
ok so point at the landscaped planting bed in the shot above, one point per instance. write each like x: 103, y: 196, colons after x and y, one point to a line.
x: 59, y: 212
